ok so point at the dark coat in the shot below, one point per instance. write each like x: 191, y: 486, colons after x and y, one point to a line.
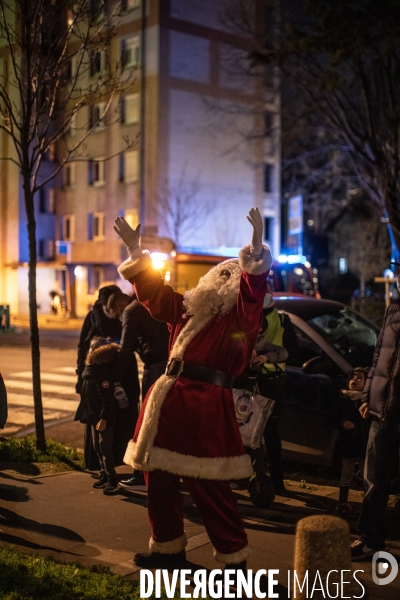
x: 143, y: 334
x: 97, y: 399
x: 95, y: 323
x: 3, y: 403
x: 353, y: 442
x: 382, y: 389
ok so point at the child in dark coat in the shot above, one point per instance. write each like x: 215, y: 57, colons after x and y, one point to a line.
x: 98, y: 407
x: 353, y: 434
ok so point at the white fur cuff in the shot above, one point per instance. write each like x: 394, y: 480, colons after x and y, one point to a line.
x: 172, y: 547
x: 235, y: 558
x: 132, y: 266
x: 252, y: 266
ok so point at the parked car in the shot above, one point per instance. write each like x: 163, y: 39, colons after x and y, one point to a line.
x: 332, y: 340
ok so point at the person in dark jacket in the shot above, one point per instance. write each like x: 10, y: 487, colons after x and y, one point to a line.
x: 3, y: 403
x: 353, y: 434
x: 381, y: 401
x: 99, y: 322
x: 98, y: 407
x: 149, y: 338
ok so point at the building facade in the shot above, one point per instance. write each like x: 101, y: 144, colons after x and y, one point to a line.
x: 187, y: 151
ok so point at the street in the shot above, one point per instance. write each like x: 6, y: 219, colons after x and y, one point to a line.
x: 58, y: 380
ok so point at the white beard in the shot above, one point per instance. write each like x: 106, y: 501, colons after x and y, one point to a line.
x: 214, y: 293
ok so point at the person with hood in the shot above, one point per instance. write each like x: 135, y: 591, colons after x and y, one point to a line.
x: 381, y: 401
x: 99, y: 322
x: 187, y: 426
x: 98, y: 407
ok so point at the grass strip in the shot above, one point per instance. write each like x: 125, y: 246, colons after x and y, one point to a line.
x: 33, y: 577
x: 24, y: 450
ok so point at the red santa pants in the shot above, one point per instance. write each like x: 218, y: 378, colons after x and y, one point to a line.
x: 214, y: 500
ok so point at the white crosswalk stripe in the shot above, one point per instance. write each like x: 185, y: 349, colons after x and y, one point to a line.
x: 59, y: 399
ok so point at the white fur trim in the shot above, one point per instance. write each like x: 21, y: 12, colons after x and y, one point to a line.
x: 223, y: 468
x: 162, y: 386
x: 235, y: 558
x: 172, y: 547
x: 132, y: 266
x: 252, y: 266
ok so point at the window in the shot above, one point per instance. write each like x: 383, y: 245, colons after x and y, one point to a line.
x: 130, y: 108
x: 130, y: 4
x: 69, y: 228
x: 132, y: 217
x: 267, y: 228
x: 342, y: 265
x: 98, y: 62
x: 268, y: 123
x: 268, y: 178
x: 129, y: 166
x: 98, y: 277
x: 46, y: 249
x: 98, y: 226
x: 42, y: 201
x: 96, y: 115
x: 71, y: 131
x: 51, y: 201
x: 130, y: 52
x: 96, y: 171
x: 69, y: 174
x: 70, y: 67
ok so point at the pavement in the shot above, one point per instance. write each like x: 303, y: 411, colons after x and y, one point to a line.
x: 63, y: 516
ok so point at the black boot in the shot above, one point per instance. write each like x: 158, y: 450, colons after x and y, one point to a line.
x: 158, y: 560
x: 102, y: 480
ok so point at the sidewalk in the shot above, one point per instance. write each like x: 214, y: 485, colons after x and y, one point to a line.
x: 62, y: 515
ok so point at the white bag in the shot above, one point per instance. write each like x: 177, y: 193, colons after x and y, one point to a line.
x: 252, y: 414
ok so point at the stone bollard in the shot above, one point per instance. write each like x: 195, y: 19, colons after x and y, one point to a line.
x: 322, y: 560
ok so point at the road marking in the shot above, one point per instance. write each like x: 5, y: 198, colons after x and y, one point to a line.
x: 65, y: 370
x: 23, y: 417
x: 14, y: 400
x: 63, y: 390
x: 47, y: 376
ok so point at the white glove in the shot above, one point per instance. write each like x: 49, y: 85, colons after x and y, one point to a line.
x: 256, y: 221
x: 130, y: 237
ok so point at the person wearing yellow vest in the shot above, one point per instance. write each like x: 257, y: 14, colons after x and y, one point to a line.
x: 276, y: 341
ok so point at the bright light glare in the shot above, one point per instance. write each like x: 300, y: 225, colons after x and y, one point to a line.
x: 79, y: 272
x: 158, y: 259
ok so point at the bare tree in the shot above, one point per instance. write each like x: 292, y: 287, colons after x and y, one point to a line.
x: 56, y: 65
x: 181, y: 209
x: 343, y: 59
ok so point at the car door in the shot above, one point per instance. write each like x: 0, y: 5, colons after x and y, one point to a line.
x: 314, y: 377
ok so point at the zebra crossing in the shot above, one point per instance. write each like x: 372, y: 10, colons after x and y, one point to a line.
x: 58, y: 397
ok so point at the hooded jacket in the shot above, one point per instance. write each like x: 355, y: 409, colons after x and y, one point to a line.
x: 97, y: 400
x: 382, y: 389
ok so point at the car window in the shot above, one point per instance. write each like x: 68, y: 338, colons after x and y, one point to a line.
x: 307, y: 349
x: 353, y: 337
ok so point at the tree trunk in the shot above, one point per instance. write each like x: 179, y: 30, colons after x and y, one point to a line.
x: 33, y: 320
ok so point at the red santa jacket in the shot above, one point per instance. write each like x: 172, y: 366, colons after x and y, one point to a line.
x: 189, y: 427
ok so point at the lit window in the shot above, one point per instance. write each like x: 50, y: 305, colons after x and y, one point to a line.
x: 96, y: 171
x: 342, y: 265
x: 130, y: 52
x: 50, y: 200
x: 131, y: 173
x: 130, y: 108
x: 96, y: 115
x: 132, y: 217
x: 69, y: 228
x: 98, y: 226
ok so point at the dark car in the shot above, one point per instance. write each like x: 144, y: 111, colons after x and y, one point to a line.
x: 332, y: 340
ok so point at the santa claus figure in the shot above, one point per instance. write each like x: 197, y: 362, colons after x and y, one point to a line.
x: 187, y: 427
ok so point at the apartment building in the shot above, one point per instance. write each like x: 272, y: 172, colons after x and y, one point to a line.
x: 187, y: 151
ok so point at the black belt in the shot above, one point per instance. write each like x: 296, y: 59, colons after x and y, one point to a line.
x: 176, y: 368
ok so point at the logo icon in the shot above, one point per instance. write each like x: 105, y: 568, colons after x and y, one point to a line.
x: 381, y: 568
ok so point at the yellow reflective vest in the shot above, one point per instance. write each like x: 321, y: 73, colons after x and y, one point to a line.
x: 274, y: 335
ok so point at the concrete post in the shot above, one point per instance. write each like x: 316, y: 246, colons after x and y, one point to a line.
x: 322, y: 553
